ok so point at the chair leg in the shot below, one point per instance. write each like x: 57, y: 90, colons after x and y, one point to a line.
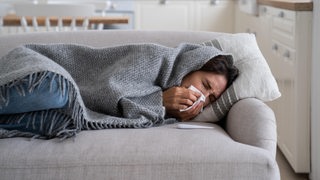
x: 60, y: 24
x: 35, y: 24
x: 85, y: 24
x: 24, y: 24
x: 47, y: 23
x: 1, y: 25
x: 73, y: 24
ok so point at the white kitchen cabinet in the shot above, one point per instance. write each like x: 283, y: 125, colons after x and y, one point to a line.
x: 291, y: 47
x: 248, y: 23
x: 164, y: 14
x: 284, y: 37
x: 245, y: 22
x: 214, y: 15
x: 201, y: 15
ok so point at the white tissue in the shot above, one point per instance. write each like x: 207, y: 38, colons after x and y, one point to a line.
x: 202, y: 98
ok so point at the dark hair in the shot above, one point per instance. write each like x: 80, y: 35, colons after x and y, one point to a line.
x: 221, y: 65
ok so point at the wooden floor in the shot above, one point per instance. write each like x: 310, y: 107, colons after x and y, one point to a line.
x: 286, y: 171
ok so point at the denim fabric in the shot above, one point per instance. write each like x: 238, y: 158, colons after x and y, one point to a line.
x: 26, y: 112
x: 47, y: 95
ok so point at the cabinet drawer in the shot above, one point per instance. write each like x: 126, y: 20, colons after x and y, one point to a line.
x: 285, y: 58
x: 282, y: 13
x: 283, y: 51
x: 283, y: 37
x: 285, y: 25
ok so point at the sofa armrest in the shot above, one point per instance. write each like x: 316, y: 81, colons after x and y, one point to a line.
x: 252, y: 122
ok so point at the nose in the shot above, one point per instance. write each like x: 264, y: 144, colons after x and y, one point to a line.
x: 207, y: 99
x: 207, y: 95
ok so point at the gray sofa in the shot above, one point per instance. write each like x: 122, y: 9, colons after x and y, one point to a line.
x: 243, y: 146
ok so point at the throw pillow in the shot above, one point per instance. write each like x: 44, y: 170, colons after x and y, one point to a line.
x: 255, y: 78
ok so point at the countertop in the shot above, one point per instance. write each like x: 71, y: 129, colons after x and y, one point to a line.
x: 295, y: 5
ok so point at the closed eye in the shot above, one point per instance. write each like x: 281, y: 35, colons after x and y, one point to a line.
x: 213, y: 97
x: 207, y: 85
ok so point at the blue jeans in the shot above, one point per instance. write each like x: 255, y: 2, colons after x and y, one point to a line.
x: 28, y: 104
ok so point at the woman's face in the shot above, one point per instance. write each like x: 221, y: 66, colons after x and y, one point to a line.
x: 210, y: 84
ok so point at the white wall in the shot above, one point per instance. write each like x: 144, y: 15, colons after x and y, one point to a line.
x: 315, y: 97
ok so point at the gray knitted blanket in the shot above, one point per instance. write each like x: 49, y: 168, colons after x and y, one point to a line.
x: 112, y: 87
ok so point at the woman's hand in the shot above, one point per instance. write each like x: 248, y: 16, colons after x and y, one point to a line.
x: 177, y: 98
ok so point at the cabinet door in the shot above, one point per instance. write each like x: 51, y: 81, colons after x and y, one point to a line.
x: 213, y: 15
x: 264, y: 29
x: 164, y: 14
x: 292, y: 109
x: 291, y: 47
x: 244, y: 23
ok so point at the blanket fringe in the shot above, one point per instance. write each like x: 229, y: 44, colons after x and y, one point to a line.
x: 15, y: 133
x: 49, y: 123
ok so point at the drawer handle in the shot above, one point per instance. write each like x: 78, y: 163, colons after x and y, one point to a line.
x: 163, y: 2
x: 281, y: 14
x: 264, y: 10
x: 113, y: 6
x: 248, y: 30
x: 286, y: 54
x: 275, y: 47
x: 214, y: 2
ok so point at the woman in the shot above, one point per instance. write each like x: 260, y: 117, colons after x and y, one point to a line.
x: 68, y: 88
x: 212, y: 79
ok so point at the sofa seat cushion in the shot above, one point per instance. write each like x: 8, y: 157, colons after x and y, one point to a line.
x: 155, y: 153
